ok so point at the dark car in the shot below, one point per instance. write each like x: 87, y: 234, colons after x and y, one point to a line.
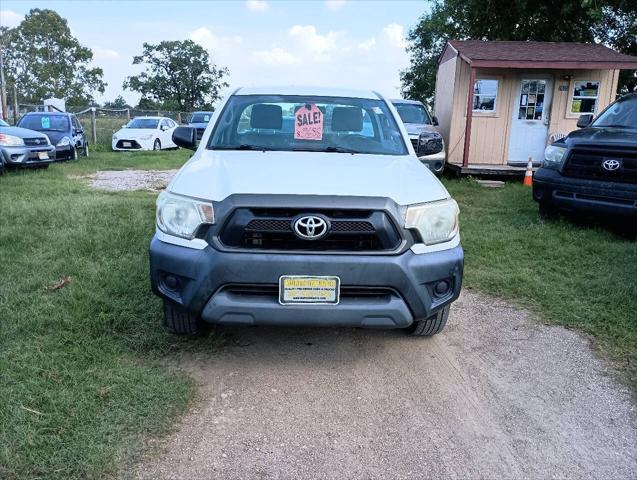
x: 593, y: 170
x: 20, y: 147
x: 199, y: 121
x: 63, y: 129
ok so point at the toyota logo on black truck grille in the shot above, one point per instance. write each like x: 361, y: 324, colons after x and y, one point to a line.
x: 310, y: 227
x: 611, y: 164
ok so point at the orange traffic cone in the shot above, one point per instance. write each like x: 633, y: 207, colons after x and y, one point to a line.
x: 528, y: 176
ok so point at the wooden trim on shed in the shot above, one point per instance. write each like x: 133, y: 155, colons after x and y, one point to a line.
x: 467, y: 128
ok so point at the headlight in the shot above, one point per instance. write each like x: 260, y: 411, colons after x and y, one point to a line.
x: 64, y: 141
x: 114, y: 137
x: 146, y: 137
x: 436, y: 222
x: 10, y: 141
x: 553, y: 156
x: 182, y: 216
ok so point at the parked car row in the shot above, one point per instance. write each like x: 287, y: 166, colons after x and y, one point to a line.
x: 40, y: 138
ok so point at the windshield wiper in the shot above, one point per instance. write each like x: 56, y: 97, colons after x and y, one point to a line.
x: 329, y: 149
x: 243, y: 146
x: 616, y: 125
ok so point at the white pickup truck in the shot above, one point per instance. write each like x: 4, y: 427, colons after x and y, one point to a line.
x: 305, y: 206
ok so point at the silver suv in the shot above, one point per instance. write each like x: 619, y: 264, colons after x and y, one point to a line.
x: 421, y: 127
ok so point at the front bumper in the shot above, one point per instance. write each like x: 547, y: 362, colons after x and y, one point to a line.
x: 27, y: 156
x: 434, y: 162
x: 136, y: 144
x: 64, y: 152
x: 588, y: 196
x: 388, y: 291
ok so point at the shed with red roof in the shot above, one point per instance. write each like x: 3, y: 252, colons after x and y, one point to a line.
x: 522, y: 95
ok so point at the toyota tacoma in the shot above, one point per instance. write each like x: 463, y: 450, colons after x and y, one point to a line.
x: 305, y: 206
x: 593, y: 170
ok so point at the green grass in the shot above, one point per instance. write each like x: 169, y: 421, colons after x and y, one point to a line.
x: 81, y: 370
x: 567, y: 271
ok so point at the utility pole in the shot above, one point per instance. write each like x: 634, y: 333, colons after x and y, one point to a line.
x: 3, y: 89
x: 15, y: 104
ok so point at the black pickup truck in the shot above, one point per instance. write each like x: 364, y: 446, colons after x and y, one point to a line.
x: 593, y: 170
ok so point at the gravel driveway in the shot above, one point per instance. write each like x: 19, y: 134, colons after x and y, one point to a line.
x: 496, y: 395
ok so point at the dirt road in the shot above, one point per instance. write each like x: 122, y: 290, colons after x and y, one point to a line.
x: 496, y: 395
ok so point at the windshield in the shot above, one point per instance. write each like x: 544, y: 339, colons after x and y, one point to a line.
x: 307, y: 123
x: 413, y: 113
x: 3, y: 123
x: 200, y: 118
x: 622, y: 113
x: 56, y: 123
x: 143, y: 123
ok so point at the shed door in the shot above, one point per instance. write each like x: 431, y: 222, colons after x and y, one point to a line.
x: 529, y: 128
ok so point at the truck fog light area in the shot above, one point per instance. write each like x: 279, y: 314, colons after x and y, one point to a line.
x: 442, y: 288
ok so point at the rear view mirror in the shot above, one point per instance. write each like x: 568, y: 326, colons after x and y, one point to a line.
x: 185, y: 137
x: 434, y: 121
x: 585, y: 120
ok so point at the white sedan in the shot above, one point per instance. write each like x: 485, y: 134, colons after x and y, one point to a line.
x: 145, y: 133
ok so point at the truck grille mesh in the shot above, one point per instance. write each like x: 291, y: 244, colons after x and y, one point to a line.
x: 272, y: 229
x: 586, y: 162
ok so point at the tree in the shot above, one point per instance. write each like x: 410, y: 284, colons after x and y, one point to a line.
x: 179, y: 76
x: 118, y: 104
x: 611, y: 22
x: 44, y: 60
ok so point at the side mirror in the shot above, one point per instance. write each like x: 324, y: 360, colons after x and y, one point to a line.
x: 429, y: 143
x: 434, y: 121
x: 79, y: 131
x: 185, y: 137
x: 584, y: 120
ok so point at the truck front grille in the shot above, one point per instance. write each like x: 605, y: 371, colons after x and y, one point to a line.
x: 272, y: 229
x: 433, y: 145
x: 587, y: 162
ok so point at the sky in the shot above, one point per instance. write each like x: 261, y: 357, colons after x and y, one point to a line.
x: 344, y: 43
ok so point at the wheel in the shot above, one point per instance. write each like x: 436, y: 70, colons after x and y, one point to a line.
x: 430, y: 326
x: 85, y: 150
x: 157, y: 144
x: 74, y: 154
x: 548, y: 211
x: 179, y: 320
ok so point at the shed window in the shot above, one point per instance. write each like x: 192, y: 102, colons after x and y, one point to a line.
x: 585, y: 95
x: 485, y: 92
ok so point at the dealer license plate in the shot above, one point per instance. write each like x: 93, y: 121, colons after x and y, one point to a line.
x: 127, y: 144
x: 299, y: 289
x: 43, y: 155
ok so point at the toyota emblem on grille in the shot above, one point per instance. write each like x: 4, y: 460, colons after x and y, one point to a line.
x: 310, y: 227
x: 611, y: 164
x: 37, y: 141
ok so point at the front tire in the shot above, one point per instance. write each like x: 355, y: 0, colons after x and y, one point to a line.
x: 85, y: 150
x: 157, y: 145
x: 430, y: 326
x: 180, y: 321
x: 74, y: 155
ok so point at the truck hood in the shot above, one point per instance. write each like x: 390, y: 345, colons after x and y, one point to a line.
x: 21, y: 132
x: 415, y: 129
x: 134, y: 133
x: 214, y: 175
x: 603, y: 135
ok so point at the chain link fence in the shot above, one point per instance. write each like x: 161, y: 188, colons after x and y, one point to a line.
x: 101, y: 123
